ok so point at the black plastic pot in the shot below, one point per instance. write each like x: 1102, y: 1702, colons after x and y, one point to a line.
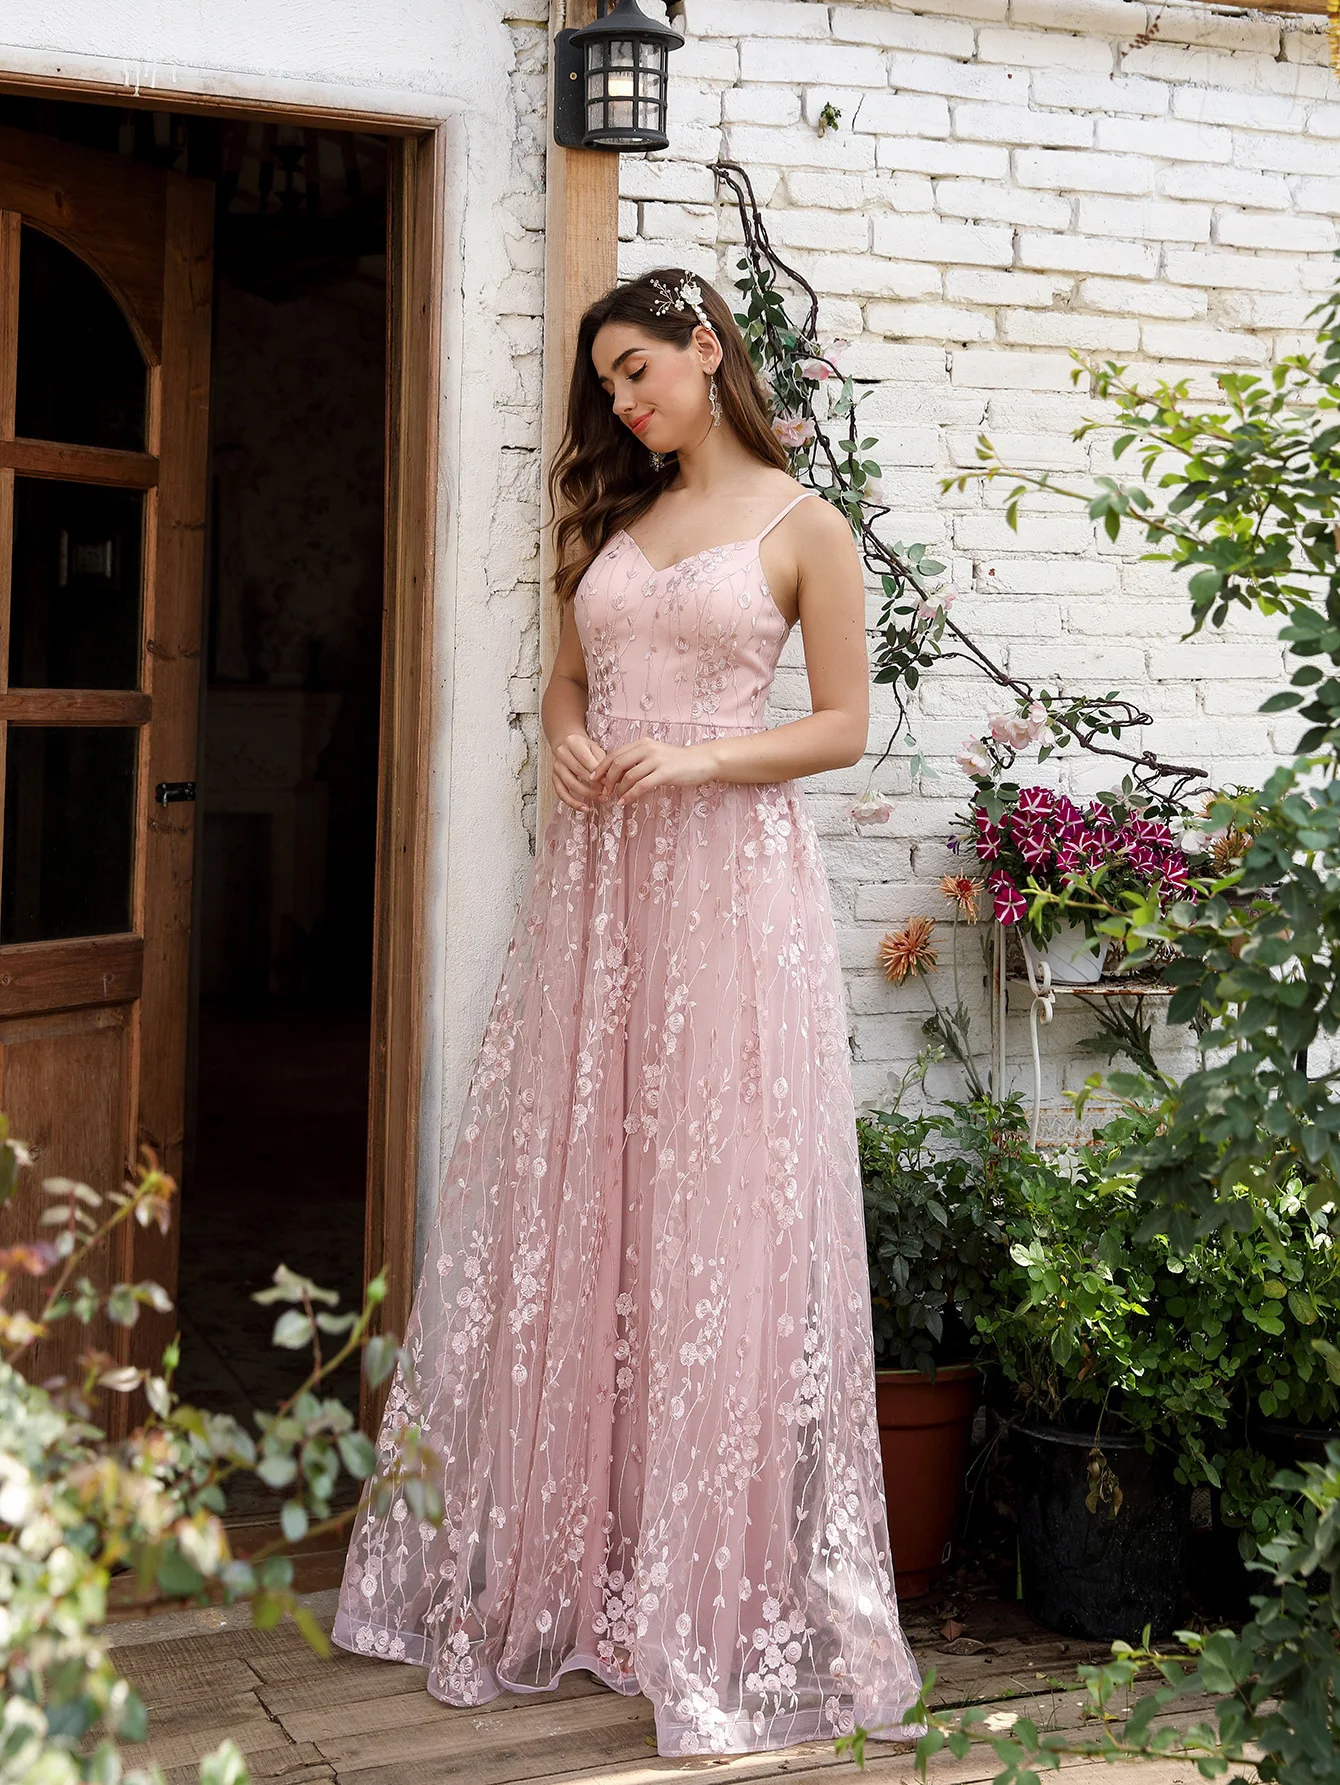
x: 1288, y: 1445
x: 1092, y: 1573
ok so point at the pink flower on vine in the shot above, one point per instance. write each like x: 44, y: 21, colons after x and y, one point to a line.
x: 793, y: 431
x: 974, y: 758
x: 939, y: 603
x: 817, y: 370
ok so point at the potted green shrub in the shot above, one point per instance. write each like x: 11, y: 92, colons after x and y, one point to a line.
x: 1122, y: 1376
x: 930, y: 1238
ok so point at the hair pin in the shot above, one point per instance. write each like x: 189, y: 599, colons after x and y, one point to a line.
x: 688, y: 297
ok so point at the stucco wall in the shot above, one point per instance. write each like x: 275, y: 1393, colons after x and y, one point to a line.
x: 1011, y: 179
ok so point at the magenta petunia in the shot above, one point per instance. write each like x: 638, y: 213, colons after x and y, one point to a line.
x: 1010, y: 904
x: 1035, y: 846
x: 989, y: 839
x: 1035, y: 802
x: 1065, y: 811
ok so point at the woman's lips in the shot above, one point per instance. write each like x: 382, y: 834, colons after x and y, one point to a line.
x: 638, y: 422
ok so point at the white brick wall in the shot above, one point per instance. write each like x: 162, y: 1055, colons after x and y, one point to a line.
x: 1011, y: 179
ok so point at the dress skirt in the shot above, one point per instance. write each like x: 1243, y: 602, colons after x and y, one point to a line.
x: 641, y: 1344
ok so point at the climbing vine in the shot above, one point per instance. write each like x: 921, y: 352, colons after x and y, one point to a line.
x: 915, y: 630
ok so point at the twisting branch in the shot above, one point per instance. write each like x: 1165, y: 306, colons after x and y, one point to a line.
x: 914, y: 631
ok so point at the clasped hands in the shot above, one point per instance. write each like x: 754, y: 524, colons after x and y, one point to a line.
x: 586, y: 776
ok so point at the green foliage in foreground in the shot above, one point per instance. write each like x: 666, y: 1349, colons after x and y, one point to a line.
x: 1276, y: 1687
x: 74, y: 1507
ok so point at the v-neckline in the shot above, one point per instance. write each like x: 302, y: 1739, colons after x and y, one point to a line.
x: 730, y: 546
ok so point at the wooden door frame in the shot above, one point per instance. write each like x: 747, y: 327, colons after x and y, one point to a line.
x: 416, y: 215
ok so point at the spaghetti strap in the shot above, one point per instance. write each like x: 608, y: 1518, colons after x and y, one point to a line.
x: 759, y: 538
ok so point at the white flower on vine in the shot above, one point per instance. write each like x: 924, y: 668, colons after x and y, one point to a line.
x: 939, y: 603
x: 872, y: 808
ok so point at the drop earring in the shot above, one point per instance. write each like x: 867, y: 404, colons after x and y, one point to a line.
x: 715, y: 401
x: 657, y: 459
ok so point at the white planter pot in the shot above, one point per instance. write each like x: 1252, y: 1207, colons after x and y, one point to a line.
x: 1072, y: 957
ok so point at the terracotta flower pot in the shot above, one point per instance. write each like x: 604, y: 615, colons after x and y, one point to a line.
x: 924, y: 1431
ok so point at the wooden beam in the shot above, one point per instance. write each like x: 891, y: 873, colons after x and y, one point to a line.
x: 581, y: 218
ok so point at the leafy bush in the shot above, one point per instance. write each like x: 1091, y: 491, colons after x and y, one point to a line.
x: 74, y: 1507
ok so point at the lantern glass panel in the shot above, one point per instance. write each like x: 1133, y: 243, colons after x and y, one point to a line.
x: 648, y: 115
x: 622, y: 52
x: 650, y: 55
x: 619, y: 113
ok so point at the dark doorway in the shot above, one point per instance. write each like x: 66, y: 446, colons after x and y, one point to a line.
x: 278, y: 1076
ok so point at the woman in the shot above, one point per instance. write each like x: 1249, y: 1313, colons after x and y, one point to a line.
x: 641, y: 1343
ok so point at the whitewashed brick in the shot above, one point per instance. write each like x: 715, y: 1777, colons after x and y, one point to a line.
x: 1044, y: 49
x: 1299, y: 235
x: 641, y: 176
x: 1250, y: 272
x: 1036, y: 533
x: 1151, y: 219
x: 1034, y: 452
x: 1250, y: 74
x: 973, y: 160
x: 976, y: 244
x: 932, y: 321
x: 866, y: 275
x: 760, y: 105
x: 831, y: 191
x: 840, y: 318
x: 1181, y: 341
x: 1258, y: 309
x: 1278, y: 154
x: 1221, y: 660
x: 925, y: 365
x: 902, y: 114
x: 1071, y: 664
x: 1020, y: 124
x: 1177, y: 303
x: 973, y: 285
x: 1307, y: 45
x: 759, y: 18
x: 1229, y: 184
x: 1087, y: 254
x: 799, y: 147
x: 1048, y: 576
x: 1323, y: 120
x: 1104, y: 18
x: 1011, y: 371
x: 679, y: 223
x: 838, y: 64
x: 829, y: 232
x: 1168, y: 138
x: 1216, y: 30
x: 988, y: 200
x: 1047, y: 328
x: 627, y: 220
x: 646, y: 254
x: 1099, y: 92
x: 937, y: 35
x: 1074, y: 170
x: 963, y: 80
x: 700, y: 59
x: 1253, y: 111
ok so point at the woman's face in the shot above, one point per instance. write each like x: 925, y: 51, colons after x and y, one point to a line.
x: 658, y: 390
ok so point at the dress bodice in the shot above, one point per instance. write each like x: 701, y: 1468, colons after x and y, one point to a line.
x: 695, y: 643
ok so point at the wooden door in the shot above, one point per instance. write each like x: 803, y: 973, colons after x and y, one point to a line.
x: 105, y: 288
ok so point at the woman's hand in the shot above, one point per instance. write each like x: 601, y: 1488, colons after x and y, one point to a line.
x: 636, y: 768
x: 575, y: 757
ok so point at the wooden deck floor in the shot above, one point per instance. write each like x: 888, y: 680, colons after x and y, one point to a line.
x: 360, y: 1722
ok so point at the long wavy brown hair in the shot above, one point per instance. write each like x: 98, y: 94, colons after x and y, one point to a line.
x: 602, y: 477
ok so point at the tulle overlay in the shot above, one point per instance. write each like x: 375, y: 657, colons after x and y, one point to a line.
x: 641, y: 1344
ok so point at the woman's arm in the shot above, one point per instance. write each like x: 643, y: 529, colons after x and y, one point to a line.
x: 831, y: 600
x: 563, y: 716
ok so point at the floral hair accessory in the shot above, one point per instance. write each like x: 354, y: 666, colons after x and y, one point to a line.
x: 689, y: 296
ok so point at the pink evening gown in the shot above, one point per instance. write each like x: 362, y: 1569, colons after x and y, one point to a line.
x: 641, y: 1342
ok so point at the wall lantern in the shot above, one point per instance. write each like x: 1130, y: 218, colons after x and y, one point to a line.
x: 610, y: 80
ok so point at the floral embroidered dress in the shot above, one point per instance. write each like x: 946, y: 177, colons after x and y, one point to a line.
x: 641, y: 1343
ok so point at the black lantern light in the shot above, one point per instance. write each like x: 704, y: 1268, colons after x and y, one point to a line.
x: 610, y: 80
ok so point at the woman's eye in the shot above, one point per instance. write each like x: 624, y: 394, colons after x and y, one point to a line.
x: 634, y: 376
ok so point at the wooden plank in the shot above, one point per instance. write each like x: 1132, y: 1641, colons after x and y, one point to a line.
x: 173, y: 652
x: 74, y: 706
x: 360, y: 1680
x: 525, y: 1742
x: 581, y: 262
x: 181, y: 1739
x: 416, y: 207
x: 11, y: 229
x: 115, y: 219
x: 81, y: 464
x: 39, y: 976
